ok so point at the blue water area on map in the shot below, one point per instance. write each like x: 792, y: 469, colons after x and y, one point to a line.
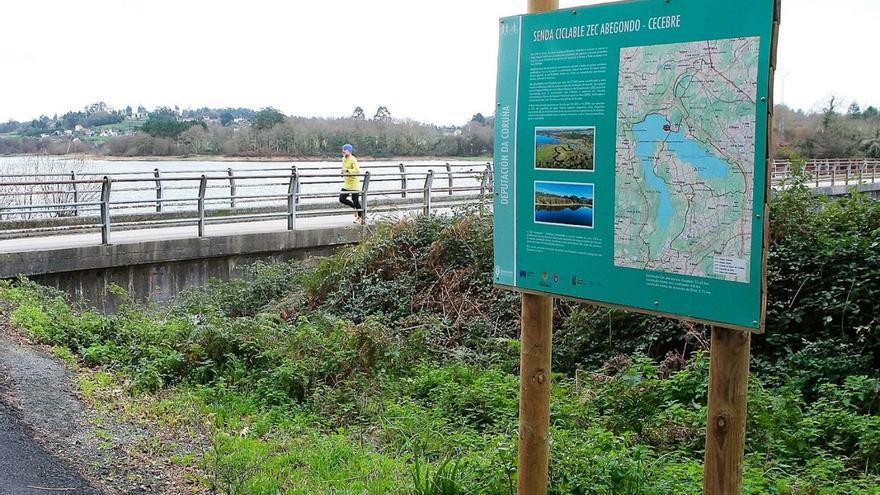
x: 649, y: 134
x: 574, y: 215
x: 545, y: 139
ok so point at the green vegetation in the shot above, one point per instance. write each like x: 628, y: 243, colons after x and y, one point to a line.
x: 572, y: 150
x: 169, y: 127
x: 391, y: 368
x: 548, y: 199
x: 268, y: 118
x: 828, y: 133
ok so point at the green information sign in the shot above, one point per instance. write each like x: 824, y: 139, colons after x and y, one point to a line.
x: 631, y: 156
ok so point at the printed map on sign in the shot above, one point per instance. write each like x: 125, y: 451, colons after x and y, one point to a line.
x: 685, y: 158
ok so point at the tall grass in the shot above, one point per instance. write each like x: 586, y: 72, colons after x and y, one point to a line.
x: 392, y: 367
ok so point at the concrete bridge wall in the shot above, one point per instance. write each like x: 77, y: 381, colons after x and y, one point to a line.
x: 871, y: 189
x: 158, y: 270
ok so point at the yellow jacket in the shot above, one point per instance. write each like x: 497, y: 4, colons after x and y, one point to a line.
x: 350, y: 168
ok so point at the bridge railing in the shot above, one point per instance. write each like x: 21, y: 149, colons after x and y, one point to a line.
x: 44, y: 204
x: 830, y: 171
x: 52, y: 204
x: 233, y: 181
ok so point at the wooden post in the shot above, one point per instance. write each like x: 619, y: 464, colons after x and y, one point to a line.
x: 534, y: 390
x: 726, y: 422
x: 534, y: 373
x: 536, y: 6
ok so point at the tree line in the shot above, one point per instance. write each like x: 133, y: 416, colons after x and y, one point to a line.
x: 830, y: 132
x: 270, y: 133
x: 267, y: 132
x: 550, y: 199
x: 93, y: 115
x: 836, y: 130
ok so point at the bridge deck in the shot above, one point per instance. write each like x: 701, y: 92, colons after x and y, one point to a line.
x: 63, y: 241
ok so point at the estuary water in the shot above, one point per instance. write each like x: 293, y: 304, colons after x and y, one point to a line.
x: 653, y: 131
x: 579, y: 216
x: 545, y: 139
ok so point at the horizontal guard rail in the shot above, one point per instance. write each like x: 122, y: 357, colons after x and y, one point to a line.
x: 138, y: 197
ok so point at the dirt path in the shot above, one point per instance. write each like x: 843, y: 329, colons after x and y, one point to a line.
x: 50, y: 439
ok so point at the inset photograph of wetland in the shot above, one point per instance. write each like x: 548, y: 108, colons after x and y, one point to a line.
x: 565, y: 148
x: 564, y: 203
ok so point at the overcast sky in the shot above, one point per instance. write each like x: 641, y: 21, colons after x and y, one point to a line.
x: 429, y: 61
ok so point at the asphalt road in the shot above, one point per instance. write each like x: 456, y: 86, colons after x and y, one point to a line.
x: 27, y: 468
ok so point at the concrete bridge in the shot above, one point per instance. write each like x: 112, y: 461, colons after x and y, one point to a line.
x: 159, y: 232
x: 832, y: 176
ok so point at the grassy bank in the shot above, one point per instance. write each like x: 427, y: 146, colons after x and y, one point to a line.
x: 392, y: 366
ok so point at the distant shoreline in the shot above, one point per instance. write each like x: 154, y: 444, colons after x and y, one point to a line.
x: 563, y: 205
x: 225, y: 158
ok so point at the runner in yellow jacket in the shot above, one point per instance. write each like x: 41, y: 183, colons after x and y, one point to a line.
x: 351, y: 186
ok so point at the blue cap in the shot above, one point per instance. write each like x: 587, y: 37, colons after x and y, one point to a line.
x: 347, y: 147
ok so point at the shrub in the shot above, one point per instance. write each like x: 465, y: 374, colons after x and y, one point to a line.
x: 400, y: 351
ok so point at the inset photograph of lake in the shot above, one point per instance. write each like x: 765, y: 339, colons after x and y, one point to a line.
x: 566, y: 148
x: 564, y: 203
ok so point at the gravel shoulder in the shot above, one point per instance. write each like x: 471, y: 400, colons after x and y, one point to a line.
x: 51, y: 439
x: 26, y: 466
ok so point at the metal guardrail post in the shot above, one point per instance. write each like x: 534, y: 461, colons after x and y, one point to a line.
x: 231, y: 174
x: 364, y: 191
x: 294, y: 171
x: 847, y: 174
x: 874, y: 173
x: 484, y: 183
x: 402, y: 180
x: 833, y: 175
x: 105, y: 209
x: 158, y: 177
x: 292, y: 199
x: 429, y: 180
x: 203, y: 186
x: 75, y: 193
x: 449, y: 175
